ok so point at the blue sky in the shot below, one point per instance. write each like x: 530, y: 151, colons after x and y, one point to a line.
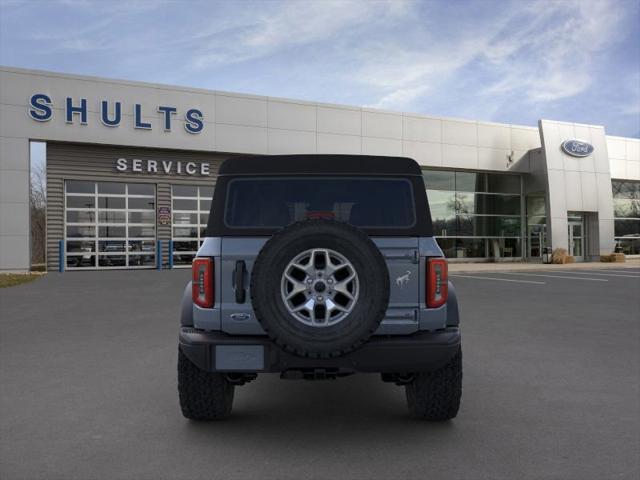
x: 511, y: 62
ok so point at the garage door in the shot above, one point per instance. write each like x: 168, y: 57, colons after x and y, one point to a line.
x: 191, y: 206
x: 109, y: 225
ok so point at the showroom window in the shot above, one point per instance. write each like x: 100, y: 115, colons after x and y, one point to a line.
x: 475, y: 214
x: 537, y: 238
x: 191, y: 205
x: 626, y: 212
x: 109, y: 225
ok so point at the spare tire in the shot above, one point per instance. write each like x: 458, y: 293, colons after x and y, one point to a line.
x: 320, y: 288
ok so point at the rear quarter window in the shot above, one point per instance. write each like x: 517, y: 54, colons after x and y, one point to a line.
x: 363, y: 202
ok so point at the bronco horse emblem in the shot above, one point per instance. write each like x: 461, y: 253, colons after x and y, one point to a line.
x: 402, y: 280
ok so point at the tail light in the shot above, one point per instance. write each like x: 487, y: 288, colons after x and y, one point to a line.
x: 202, y: 283
x: 437, y: 282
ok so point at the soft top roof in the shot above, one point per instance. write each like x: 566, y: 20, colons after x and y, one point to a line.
x: 319, y: 164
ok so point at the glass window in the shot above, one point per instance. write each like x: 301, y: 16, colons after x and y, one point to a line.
x: 81, y: 261
x: 112, y: 202
x: 205, y: 204
x: 206, y: 192
x: 627, y: 228
x: 74, y: 186
x: 75, y: 246
x: 471, y: 182
x: 626, y: 208
x: 111, y: 245
x: 142, y: 203
x: 141, y: 189
x: 111, y: 188
x: 189, y: 232
x: 180, y: 258
x: 504, y: 247
x: 629, y: 245
x: 142, y: 217
x: 81, y: 216
x: 470, y: 248
x: 184, y: 218
x: 364, y: 202
x: 142, y: 260
x: 503, y: 183
x: 81, y: 202
x: 184, y: 190
x: 439, y: 180
x: 112, y: 217
x: 181, y: 204
x: 477, y: 214
x: 190, y: 216
x: 536, y: 206
x: 448, y: 246
x: 465, y: 203
x: 488, y: 226
x: 112, y: 260
x: 80, y: 232
x: 182, y: 246
x: 628, y: 189
x: 147, y: 246
x: 137, y: 232
x: 441, y: 204
x: 112, y: 232
x: 497, y: 204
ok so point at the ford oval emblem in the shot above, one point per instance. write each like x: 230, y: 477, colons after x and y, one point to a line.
x: 577, y: 148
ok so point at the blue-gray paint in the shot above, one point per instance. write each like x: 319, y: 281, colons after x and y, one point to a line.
x: 405, y: 257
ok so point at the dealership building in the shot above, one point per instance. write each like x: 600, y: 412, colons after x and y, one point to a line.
x: 131, y: 167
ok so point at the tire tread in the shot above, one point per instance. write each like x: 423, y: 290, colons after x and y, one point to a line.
x: 435, y: 396
x: 203, y: 395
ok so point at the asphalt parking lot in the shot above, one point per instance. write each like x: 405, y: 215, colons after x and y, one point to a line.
x: 551, y: 390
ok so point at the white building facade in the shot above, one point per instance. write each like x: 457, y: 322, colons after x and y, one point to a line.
x: 131, y: 168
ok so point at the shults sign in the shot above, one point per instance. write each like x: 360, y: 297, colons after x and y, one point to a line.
x: 41, y: 110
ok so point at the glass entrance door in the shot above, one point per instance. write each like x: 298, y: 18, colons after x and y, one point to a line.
x: 576, y: 237
x: 537, y: 240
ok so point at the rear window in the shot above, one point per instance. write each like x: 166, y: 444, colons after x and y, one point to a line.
x: 277, y: 202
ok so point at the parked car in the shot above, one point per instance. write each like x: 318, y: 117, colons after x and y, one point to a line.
x: 316, y: 267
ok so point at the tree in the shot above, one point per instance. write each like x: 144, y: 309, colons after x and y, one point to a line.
x: 38, y: 214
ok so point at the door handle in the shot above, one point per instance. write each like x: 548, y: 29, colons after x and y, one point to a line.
x: 238, y: 281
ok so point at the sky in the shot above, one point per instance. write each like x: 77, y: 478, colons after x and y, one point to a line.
x: 508, y: 62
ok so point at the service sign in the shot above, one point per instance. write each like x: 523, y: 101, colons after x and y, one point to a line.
x: 162, y: 167
x: 577, y: 148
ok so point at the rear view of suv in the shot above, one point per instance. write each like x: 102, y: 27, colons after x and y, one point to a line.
x: 315, y: 267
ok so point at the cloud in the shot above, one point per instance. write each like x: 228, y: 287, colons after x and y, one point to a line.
x: 287, y: 25
x: 539, y: 51
x: 508, y: 61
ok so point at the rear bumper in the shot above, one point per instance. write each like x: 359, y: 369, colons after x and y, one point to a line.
x: 219, y: 352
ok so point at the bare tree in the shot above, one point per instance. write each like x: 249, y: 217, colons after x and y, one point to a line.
x: 37, y: 207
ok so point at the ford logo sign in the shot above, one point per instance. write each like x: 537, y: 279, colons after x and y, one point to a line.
x: 577, y: 148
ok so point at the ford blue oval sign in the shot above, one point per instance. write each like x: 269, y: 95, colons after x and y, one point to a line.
x: 577, y: 148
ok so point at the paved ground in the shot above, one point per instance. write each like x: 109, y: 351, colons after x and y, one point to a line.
x: 551, y: 390
x: 633, y: 263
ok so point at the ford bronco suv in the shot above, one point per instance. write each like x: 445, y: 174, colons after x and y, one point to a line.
x: 315, y: 267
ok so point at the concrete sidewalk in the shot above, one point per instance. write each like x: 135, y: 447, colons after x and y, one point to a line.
x: 523, y: 266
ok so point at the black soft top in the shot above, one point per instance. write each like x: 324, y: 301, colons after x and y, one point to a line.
x: 319, y: 164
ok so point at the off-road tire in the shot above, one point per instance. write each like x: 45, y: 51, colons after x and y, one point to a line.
x: 203, y: 395
x: 436, y: 395
x: 340, y: 338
